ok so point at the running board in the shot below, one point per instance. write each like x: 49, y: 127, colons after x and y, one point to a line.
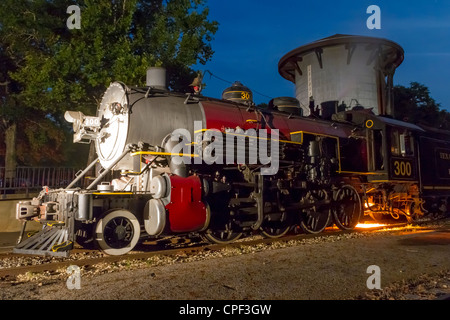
x: 50, y: 241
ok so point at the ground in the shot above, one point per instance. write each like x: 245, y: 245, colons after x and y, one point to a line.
x: 321, y: 268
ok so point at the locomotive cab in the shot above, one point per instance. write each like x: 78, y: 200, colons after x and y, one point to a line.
x: 392, y: 150
x: 391, y: 184
x: 391, y: 145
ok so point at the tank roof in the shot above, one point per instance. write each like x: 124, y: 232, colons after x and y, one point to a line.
x: 392, y: 51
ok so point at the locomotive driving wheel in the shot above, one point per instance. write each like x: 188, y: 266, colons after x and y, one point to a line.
x: 276, y: 228
x: 347, y: 208
x: 117, y: 232
x: 224, y: 236
x: 315, y: 218
x: 222, y: 229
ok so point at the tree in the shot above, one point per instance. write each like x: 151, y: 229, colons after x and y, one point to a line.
x: 50, y: 69
x: 415, y: 104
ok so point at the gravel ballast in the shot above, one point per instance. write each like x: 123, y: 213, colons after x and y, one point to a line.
x: 413, y: 264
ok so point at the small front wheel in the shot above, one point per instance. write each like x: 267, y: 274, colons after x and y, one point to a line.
x: 117, y: 232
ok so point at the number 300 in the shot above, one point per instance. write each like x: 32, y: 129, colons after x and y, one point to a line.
x: 402, y: 168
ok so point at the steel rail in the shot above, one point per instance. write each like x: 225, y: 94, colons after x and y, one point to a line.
x: 53, y: 266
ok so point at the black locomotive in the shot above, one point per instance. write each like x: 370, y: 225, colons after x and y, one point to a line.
x: 176, y: 164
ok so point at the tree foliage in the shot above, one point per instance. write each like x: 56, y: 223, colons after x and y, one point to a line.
x: 414, y: 104
x: 48, y: 68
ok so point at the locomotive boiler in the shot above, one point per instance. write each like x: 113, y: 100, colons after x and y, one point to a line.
x: 184, y: 164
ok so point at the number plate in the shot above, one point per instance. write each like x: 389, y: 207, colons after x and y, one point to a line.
x: 91, y: 121
x: 402, y: 169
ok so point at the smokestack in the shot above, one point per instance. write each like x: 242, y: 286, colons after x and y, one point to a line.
x: 156, y: 78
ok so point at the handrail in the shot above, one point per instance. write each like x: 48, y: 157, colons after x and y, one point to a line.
x: 34, y: 178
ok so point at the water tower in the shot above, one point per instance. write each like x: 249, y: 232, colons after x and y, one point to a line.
x: 343, y: 72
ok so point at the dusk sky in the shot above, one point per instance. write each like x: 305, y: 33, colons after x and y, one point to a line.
x: 254, y: 35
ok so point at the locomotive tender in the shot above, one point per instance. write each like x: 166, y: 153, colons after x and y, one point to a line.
x: 167, y: 167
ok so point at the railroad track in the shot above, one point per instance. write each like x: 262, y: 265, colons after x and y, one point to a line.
x: 169, y: 247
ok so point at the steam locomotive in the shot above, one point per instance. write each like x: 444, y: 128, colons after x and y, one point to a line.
x: 185, y: 164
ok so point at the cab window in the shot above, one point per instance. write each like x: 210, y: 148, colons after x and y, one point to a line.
x: 402, y: 142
